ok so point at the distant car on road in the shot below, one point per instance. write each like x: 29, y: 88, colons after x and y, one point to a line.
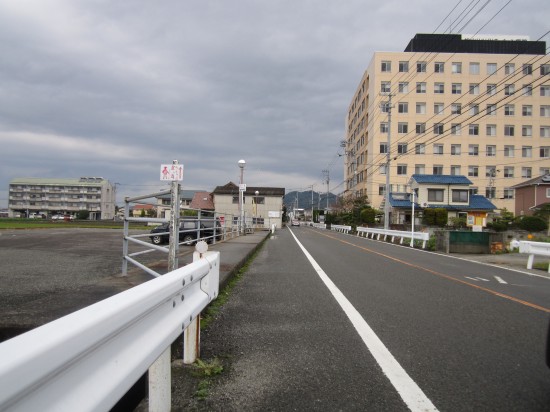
x: 191, y: 230
x: 295, y: 222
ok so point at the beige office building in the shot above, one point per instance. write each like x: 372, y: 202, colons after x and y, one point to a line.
x: 478, y: 107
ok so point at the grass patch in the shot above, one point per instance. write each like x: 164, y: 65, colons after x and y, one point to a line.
x: 541, y: 266
x: 206, y: 370
x: 51, y: 224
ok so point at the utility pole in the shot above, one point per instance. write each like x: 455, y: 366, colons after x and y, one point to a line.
x: 326, y: 172
x: 388, y: 159
x: 311, y: 203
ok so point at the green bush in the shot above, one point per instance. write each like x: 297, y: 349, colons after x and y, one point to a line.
x: 368, y: 216
x: 435, y: 217
x: 533, y: 224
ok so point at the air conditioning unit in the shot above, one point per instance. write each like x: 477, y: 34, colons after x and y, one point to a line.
x: 424, y: 204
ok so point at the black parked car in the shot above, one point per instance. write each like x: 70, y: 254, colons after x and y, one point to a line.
x: 191, y: 230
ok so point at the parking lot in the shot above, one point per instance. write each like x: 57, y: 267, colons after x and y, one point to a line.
x: 48, y: 273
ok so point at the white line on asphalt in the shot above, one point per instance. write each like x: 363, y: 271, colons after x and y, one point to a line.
x: 500, y: 280
x: 483, y: 279
x: 409, y: 391
x: 474, y: 279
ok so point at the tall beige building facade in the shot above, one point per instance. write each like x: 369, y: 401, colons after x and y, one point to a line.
x: 451, y: 105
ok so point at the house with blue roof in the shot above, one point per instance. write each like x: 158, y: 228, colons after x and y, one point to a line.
x: 451, y: 192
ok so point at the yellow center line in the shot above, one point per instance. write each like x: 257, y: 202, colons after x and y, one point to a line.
x: 442, y: 275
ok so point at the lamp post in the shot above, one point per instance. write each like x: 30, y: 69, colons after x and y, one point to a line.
x: 256, y: 193
x: 242, y: 188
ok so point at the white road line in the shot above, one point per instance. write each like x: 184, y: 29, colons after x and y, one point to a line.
x: 500, y: 280
x: 474, y: 279
x: 483, y: 279
x: 409, y: 391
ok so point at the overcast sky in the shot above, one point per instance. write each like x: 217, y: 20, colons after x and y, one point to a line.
x: 117, y: 88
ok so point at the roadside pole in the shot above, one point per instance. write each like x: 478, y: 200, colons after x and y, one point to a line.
x: 160, y: 380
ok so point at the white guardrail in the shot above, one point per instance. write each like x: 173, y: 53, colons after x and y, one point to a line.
x: 87, y: 360
x: 341, y: 228
x: 532, y: 249
x: 372, y: 232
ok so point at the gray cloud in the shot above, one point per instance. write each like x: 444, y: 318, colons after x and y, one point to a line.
x: 114, y: 89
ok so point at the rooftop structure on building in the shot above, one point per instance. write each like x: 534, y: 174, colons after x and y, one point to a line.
x: 451, y: 104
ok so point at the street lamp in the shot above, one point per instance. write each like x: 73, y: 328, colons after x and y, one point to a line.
x: 242, y: 188
x: 256, y: 193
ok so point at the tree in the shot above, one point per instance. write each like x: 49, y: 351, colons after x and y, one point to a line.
x: 83, y: 215
x: 533, y: 224
x: 544, y: 214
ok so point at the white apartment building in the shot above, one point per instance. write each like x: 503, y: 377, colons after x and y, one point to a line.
x: 62, y: 196
x: 451, y: 105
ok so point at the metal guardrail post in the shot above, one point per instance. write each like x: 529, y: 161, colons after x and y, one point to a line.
x: 125, y: 241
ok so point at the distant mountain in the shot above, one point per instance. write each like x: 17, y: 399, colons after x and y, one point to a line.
x: 302, y: 200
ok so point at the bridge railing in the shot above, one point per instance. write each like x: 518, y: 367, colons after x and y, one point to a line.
x: 532, y: 249
x: 87, y: 361
x: 372, y: 232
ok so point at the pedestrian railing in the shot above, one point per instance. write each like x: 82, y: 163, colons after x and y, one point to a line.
x: 319, y: 225
x: 87, y: 361
x: 532, y: 249
x: 372, y: 232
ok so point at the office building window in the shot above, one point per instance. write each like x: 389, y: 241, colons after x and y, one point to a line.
x: 456, y: 67
x: 420, y: 128
x: 526, y: 110
x: 490, y: 150
x: 545, y: 111
x: 438, y: 108
x: 420, y: 87
x: 509, y: 110
x: 527, y: 90
x: 383, y: 148
x: 421, y: 67
x: 438, y: 149
x: 437, y: 170
x: 544, y: 91
x: 545, y: 171
x: 455, y: 150
x: 491, y: 110
x: 455, y: 129
x: 490, y: 192
x: 509, y: 130
x: 474, y: 109
x: 456, y: 88
x: 420, y: 148
x: 455, y: 170
x: 509, y: 151
x: 491, y: 68
x: 526, y: 172
x: 527, y: 69
x: 386, y: 66
x: 527, y: 131
x: 545, y: 131
x: 473, y: 150
x: 474, y: 68
x: 473, y: 130
x: 438, y: 128
x: 402, y: 148
x: 509, y: 171
x: 544, y: 151
x: 421, y: 108
x: 403, y: 87
x: 385, y: 107
x: 385, y: 87
x: 402, y: 127
x: 382, y: 169
x: 420, y: 169
x: 544, y: 69
x: 383, y: 127
x: 474, y: 88
x: 403, y: 67
x: 401, y: 169
x: 381, y: 189
x: 439, y: 88
x: 508, y: 193
x: 526, y: 151
x: 439, y: 67
x: 490, y: 171
x: 403, y: 107
x: 509, y: 89
x: 491, y: 89
x: 491, y: 130
x: 456, y: 108
x: 509, y: 68
x: 473, y: 171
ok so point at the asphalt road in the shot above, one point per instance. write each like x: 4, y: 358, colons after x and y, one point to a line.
x: 456, y: 335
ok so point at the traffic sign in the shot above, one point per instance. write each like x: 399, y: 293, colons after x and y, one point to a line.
x: 171, y: 172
